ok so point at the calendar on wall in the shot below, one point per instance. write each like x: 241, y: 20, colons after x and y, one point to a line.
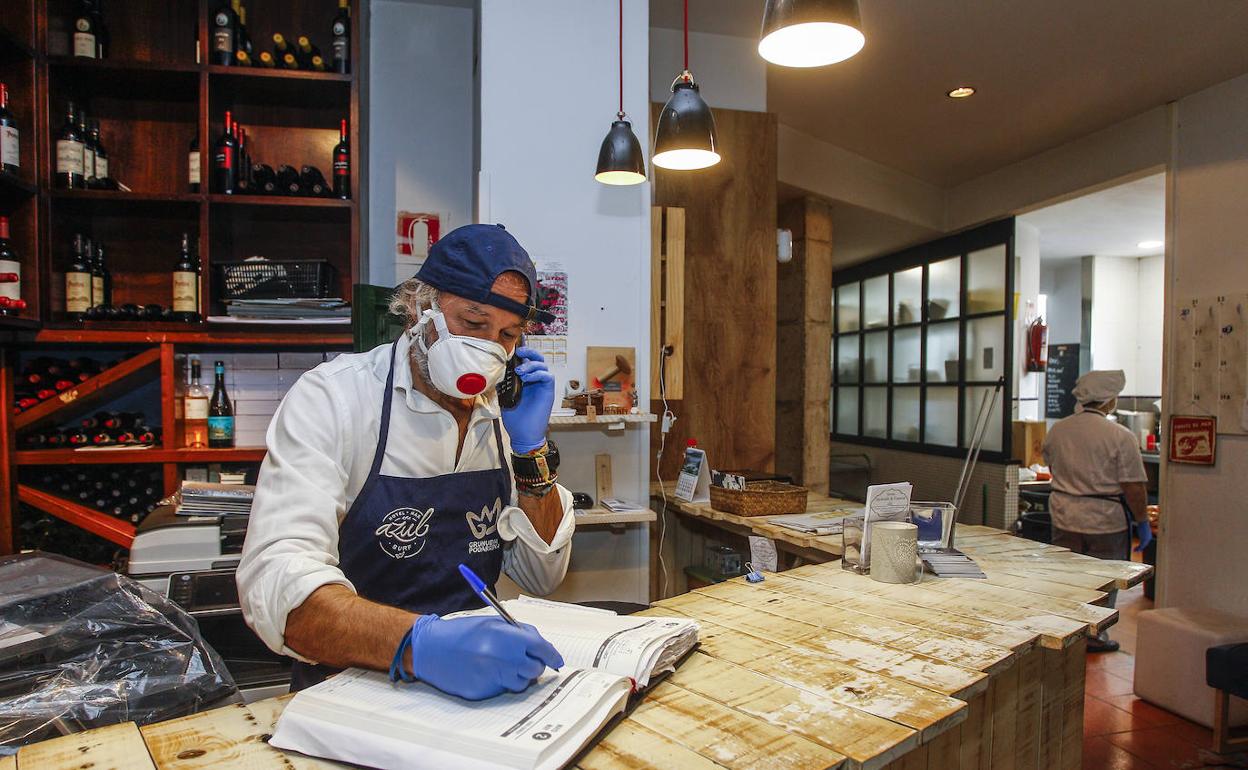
x: 1211, y: 360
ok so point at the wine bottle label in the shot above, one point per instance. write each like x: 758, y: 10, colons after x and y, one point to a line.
x: 223, y: 36
x: 68, y: 157
x: 88, y: 162
x: 97, y: 290
x: 11, y: 289
x: 101, y: 167
x: 84, y: 41
x: 225, y: 158
x: 341, y: 43
x: 342, y: 164
x: 9, y: 146
x: 196, y: 408
x: 185, y: 293
x: 77, y: 292
x: 193, y: 166
x: 220, y: 428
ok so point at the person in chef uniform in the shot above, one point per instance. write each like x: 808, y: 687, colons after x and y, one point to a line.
x: 388, y: 469
x: 1099, y: 485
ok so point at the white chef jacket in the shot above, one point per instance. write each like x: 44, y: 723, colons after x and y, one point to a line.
x: 321, y: 444
x: 1089, y: 454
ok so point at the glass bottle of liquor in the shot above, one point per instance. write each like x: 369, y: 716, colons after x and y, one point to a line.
x: 220, y: 412
x: 88, y: 150
x: 224, y: 26
x: 69, y: 151
x: 101, y: 155
x: 280, y: 46
x: 10, y: 273
x: 195, y: 408
x: 340, y: 31
x: 77, y: 282
x: 304, y: 51
x: 108, y: 276
x: 97, y: 276
x: 102, y: 37
x: 225, y: 159
x: 192, y: 164
x: 82, y: 39
x: 186, y: 284
x: 288, y: 181
x: 10, y: 159
x: 266, y: 60
x: 342, y: 164
x: 244, y: 37
x: 289, y: 61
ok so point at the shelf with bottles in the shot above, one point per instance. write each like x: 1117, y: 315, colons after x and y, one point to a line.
x: 315, y: 37
x: 149, y: 31
x: 51, y: 390
x: 19, y: 274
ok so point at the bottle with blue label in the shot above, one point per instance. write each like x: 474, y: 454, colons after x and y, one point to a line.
x: 220, y: 413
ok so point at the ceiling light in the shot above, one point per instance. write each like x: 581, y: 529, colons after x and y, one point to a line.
x: 620, y: 160
x: 961, y: 92
x: 685, y: 138
x: 810, y: 33
x: 1151, y: 244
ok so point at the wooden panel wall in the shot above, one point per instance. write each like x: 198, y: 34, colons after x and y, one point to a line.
x: 730, y: 298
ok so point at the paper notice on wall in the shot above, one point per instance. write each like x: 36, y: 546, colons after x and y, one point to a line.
x: 1232, y: 360
x: 1210, y: 370
x: 551, y: 338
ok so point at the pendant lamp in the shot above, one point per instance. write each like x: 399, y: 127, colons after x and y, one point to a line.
x: 685, y: 138
x: 620, y: 160
x: 810, y: 33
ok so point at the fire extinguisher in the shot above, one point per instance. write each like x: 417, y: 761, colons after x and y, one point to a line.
x: 1037, y: 346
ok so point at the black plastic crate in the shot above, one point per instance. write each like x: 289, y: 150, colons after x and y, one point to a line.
x: 265, y: 279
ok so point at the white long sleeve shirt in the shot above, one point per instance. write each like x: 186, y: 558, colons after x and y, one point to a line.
x: 321, y: 444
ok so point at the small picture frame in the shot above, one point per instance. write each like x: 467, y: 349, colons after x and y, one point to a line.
x: 1193, y: 440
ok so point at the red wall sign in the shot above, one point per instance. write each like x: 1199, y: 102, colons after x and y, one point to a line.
x: 1193, y: 440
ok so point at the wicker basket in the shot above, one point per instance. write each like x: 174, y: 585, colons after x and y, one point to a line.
x: 760, y: 498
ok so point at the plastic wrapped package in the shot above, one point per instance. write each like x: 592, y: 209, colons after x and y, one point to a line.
x: 82, y: 647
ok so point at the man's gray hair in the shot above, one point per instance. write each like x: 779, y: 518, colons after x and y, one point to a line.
x: 411, y: 298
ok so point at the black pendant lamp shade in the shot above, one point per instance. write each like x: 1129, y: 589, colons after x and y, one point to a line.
x: 810, y: 33
x: 685, y: 138
x: 620, y: 160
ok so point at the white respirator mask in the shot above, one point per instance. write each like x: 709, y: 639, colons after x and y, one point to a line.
x: 462, y: 367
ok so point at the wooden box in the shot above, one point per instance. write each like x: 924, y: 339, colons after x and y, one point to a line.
x: 1028, y: 441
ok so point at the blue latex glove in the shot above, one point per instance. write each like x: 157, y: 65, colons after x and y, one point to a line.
x: 1144, y: 531
x: 479, y: 657
x: 527, y: 423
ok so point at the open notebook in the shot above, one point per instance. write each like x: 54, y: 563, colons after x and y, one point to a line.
x: 359, y: 716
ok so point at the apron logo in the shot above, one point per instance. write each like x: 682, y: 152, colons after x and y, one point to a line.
x: 402, y: 532
x: 484, y: 523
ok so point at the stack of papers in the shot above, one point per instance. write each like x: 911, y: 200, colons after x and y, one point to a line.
x: 827, y: 523
x: 199, y: 498
x: 951, y: 563
x: 617, y: 505
x: 300, y: 308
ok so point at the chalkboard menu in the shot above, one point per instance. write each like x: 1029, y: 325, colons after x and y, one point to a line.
x: 1059, y: 380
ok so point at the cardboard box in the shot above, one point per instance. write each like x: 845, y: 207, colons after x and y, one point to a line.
x: 1028, y: 441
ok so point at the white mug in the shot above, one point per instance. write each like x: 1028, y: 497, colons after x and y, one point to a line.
x: 894, y: 552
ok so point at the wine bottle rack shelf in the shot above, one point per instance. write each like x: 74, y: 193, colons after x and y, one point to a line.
x: 107, y: 527
x: 80, y: 398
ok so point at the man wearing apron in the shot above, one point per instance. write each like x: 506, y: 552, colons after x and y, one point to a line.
x: 388, y: 469
x: 1099, y: 485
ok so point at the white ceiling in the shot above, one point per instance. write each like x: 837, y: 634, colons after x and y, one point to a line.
x: 1047, y: 72
x: 1108, y: 223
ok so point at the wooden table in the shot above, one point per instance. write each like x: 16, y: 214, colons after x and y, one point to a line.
x: 816, y: 667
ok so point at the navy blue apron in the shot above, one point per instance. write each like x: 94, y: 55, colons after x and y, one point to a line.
x: 403, y: 539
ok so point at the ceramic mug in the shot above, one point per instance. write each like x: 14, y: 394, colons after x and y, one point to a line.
x: 894, y: 552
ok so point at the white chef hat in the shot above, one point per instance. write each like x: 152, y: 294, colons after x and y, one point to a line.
x: 1099, y: 385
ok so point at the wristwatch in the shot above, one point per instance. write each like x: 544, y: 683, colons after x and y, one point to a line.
x: 538, y: 470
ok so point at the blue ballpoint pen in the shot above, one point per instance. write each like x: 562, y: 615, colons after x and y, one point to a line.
x: 486, y: 595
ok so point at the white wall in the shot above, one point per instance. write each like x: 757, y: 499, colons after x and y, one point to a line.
x: 537, y: 177
x: 1204, y: 547
x: 1126, y: 319
x: 728, y: 70
x: 1028, y: 386
x: 1149, y: 322
x: 1062, y: 282
x: 420, y: 124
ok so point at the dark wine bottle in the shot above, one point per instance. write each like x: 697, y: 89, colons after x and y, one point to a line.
x: 97, y: 276
x: 10, y: 156
x: 313, y: 181
x: 304, y: 51
x: 244, y: 37
x: 69, y: 150
x: 192, y: 165
x: 108, y: 276
x: 11, y: 301
x: 224, y: 30
x: 244, y: 158
x: 82, y: 38
x: 342, y: 164
x: 340, y: 30
x: 101, y: 156
x: 263, y: 178
x: 225, y: 159
x: 289, y: 61
x: 266, y: 60
x: 77, y: 282
x: 288, y: 181
x: 242, y: 58
x: 317, y: 64
x: 88, y: 150
x: 220, y: 413
x: 280, y: 46
x: 103, y: 40
x: 186, y: 284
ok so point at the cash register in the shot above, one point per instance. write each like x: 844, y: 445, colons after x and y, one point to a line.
x: 192, y: 560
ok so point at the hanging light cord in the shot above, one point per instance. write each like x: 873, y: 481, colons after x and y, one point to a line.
x: 686, y: 35
x: 620, y: 114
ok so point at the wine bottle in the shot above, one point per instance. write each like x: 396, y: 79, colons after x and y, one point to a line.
x: 195, y: 408
x: 10, y: 157
x: 304, y: 51
x: 340, y: 30
x: 317, y: 64
x: 10, y: 273
x: 77, y: 282
x: 288, y: 181
x: 342, y: 164
x: 244, y: 37
x: 101, y: 155
x: 69, y: 150
x: 289, y: 61
x: 242, y: 58
x: 82, y: 39
x: 108, y: 276
x: 244, y: 159
x: 224, y: 30
x: 186, y: 284
x: 263, y: 178
x: 313, y: 181
x: 220, y: 412
x: 266, y: 60
x: 97, y: 276
x: 192, y: 165
x: 225, y: 163
x: 103, y: 39
x: 88, y: 150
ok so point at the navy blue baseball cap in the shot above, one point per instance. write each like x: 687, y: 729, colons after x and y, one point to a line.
x: 468, y: 260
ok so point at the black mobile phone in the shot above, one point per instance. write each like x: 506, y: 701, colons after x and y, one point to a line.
x: 511, y: 385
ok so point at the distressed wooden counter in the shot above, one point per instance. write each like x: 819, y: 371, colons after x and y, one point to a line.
x: 814, y: 668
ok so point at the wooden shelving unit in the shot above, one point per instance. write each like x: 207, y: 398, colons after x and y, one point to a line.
x: 152, y: 96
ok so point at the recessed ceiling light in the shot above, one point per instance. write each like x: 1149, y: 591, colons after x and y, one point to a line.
x: 1151, y: 244
x: 961, y: 92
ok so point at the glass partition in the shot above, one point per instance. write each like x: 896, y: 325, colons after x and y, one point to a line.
x: 985, y: 280
x: 847, y: 358
x: 875, y: 302
x: 875, y: 412
x: 906, y: 414
x: 847, y: 411
x: 970, y: 409
x: 875, y: 357
x: 907, y: 296
x: 907, y: 355
x: 847, y: 308
x: 943, y: 352
x: 941, y: 416
x: 944, y: 287
x: 985, y: 349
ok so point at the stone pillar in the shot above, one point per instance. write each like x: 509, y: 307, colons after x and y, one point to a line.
x: 804, y: 344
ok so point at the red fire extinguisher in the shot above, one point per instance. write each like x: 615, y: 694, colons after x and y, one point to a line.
x: 1037, y: 346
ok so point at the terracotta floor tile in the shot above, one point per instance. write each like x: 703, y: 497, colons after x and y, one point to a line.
x: 1197, y: 734
x: 1160, y: 746
x: 1102, y: 684
x: 1143, y: 711
x: 1100, y: 754
x: 1119, y: 663
x: 1100, y: 718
